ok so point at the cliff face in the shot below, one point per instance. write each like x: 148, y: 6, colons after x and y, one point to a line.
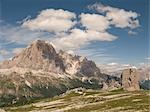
x: 130, y: 79
x: 42, y: 56
x: 38, y: 55
x: 79, y: 65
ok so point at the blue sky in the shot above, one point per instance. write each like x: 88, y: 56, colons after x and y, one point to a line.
x: 128, y: 43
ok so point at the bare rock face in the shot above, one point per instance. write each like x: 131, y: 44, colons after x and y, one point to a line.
x: 39, y: 55
x: 70, y: 62
x: 130, y: 79
x: 89, y: 68
x: 79, y: 65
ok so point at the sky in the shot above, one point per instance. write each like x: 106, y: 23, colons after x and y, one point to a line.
x: 105, y: 31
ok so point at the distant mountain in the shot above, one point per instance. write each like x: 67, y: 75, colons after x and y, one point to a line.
x: 39, y: 71
x: 116, y: 70
x: 145, y: 84
x: 144, y: 72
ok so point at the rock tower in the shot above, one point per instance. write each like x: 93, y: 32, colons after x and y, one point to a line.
x: 130, y: 79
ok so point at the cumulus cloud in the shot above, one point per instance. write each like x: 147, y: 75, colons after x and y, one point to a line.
x: 95, y: 30
x: 51, y: 20
x: 69, y: 35
x: 65, y: 31
x: 118, y: 17
x: 94, y: 22
x: 79, y: 38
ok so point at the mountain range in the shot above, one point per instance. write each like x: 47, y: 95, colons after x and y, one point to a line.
x: 39, y: 71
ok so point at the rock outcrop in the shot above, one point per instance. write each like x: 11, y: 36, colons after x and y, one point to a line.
x: 130, y: 79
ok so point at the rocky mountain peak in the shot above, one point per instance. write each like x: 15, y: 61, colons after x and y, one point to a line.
x: 40, y: 46
x: 39, y: 55
x: 37, y: 51
x: 66, y: 55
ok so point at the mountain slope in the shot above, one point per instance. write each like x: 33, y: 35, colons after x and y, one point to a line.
x: 39, y: 71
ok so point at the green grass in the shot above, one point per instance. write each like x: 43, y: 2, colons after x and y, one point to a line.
x: 94, y: 101
x: 125, y: 103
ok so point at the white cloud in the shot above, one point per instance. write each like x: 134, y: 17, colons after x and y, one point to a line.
x: 59, y: 21
x: 97, y: 54
x: 95, y: 30
x: 94, y: 22
x: 75, y: 39
x: 148, y: 58
x: 51, y: 20
x: 132, y: 32
x: 78, y: 38
x: 114, y: 68
x: 112, y: 64
x: 12, y: 37
x: 118, y: 17
x: 62, y: 29
x: 16, y: 34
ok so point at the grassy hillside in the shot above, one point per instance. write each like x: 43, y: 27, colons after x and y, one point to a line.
x: 18, y: 90
x: 90, y: 101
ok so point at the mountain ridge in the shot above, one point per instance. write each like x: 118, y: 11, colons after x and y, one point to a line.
x: 40, y: 55
x: 39, y: 71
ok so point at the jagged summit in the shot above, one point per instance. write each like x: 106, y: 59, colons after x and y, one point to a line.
x: 41, y: 55
x: 42, y: 48
x: 42, y: 45
x: 38, y: 55
x: 40, y: 71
